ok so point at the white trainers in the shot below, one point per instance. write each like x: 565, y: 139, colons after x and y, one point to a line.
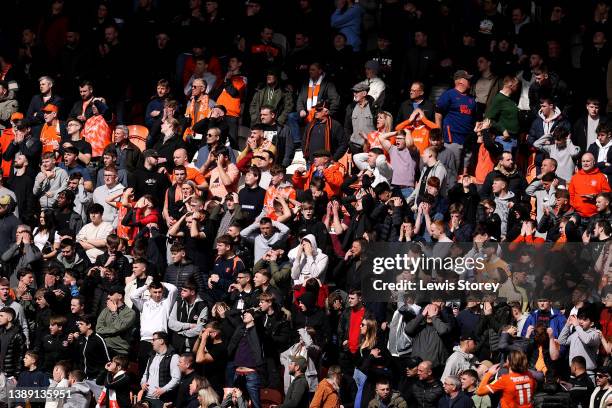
x: 297, y: 162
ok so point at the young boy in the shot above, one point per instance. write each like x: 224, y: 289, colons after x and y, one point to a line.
x: 53, y: 346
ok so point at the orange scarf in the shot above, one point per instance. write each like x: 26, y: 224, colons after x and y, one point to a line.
x: 196, y: 116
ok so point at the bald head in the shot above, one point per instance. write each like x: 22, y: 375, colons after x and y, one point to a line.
x: 180, y: 157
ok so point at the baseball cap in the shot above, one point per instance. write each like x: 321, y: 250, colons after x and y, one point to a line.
x: 16, y: 116
x: 301, y: 362
x: 50, y: 108
x: 462, y: 74
x: 468, y: 337
x: 150, y: 153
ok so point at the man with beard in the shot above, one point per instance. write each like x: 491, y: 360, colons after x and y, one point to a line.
x: 22, y: 183
x: 148, y: 180
x: 82, y: 110
x: 67, y: 221
x: 505, y: 167
x: 297, y: 395
x: 275, y: 132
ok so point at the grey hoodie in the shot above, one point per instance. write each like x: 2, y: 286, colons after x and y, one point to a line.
x: 565, y: 157
x: 502, y: 209
x: 80, y: 396
x: 44, y: 185
x: 458, y: 362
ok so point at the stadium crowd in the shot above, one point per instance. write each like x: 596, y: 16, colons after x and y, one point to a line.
x: 189, y: 191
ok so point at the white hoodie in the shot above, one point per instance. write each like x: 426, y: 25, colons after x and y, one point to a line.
x: 602, y: 156
x: 306, y: 267
x: 547, y: 124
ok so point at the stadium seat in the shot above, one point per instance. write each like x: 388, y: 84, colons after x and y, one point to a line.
x: 138, y: 136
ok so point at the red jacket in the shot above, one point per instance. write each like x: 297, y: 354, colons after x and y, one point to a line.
x: 333, y: 175
x: 583, y: 183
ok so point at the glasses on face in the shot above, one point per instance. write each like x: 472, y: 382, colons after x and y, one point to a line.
x: 21, y: 231
x: 362, y: 325
x: 109, y: 175
x: 155, y: 338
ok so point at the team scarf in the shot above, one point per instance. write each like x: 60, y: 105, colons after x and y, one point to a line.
x: 313, y: 92
x: 110, y: 395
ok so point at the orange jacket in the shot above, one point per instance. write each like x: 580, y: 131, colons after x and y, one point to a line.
x: 195, y: 117
x: 420, y: 134
x: 484, y: 165
x: 233, y: 92
x: 326, y: 396
x: 583, y: 183
x: 333, y: 179
x: 5, y: 140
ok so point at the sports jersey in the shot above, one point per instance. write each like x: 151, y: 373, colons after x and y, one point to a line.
x: 517, y: 389
x: 458, y: 110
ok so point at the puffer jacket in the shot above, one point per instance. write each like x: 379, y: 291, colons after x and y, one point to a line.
x: 306, y: 267
x: 179, y: 274
x: 427, y: 394
x: 12, y: 348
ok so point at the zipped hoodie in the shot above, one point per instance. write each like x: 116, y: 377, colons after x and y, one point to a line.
x: 502, y: 208
x: 458, y: 362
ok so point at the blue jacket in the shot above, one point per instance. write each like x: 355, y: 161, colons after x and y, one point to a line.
x: 348, y: 22
x: 557, y: 321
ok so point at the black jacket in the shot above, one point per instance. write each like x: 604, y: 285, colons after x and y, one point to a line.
x: 93, y: 354
x: 594, y: 150
x: 297, y: 393
x: 406, y: 109
x: 427, y: 394
x: 121, y: 264
x: 579, y: 132
x: 255, y: 344
x: 120, y: 384
x: 12, y: 347
x: 327, y: 92
x: 178, y: 274
x: 276, y: 333
x: 52, y: 349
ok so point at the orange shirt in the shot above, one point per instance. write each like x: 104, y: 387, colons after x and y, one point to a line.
x: 192, y: 174
x: 272, y: 192
x: 216, y: 188
x: 420, y: 133
x: 50, y: 137
x: 517, y: 389
x: 123, y: 231
x: 97, y: 133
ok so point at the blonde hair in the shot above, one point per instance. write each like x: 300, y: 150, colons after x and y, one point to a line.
x: 208, y: 396
x: 369, y: 338
x: 388, y: 120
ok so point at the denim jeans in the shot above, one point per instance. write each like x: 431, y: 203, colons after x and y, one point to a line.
x: 252, y: 384
x: 406, y: 191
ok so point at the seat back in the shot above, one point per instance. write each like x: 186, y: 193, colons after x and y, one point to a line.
x: 138, y: 136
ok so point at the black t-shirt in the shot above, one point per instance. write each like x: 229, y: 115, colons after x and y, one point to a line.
x: 215, y: 371
x: 251, y: 201
x: 150, y: 182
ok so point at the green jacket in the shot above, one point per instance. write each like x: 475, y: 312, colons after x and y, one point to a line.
x: 503, y: 113
x: 280, y: 100
x: 116, y: 328
x: 396, y: 402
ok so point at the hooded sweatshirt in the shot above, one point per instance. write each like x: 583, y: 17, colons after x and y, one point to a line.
x: 458, y: 362
x: 602, y: 154
x: 584, y: 183
x: 502, y: 209
x: 306, y: 267
x: 565, y: 157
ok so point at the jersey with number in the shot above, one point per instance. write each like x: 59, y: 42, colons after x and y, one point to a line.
x: 517, y: 390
